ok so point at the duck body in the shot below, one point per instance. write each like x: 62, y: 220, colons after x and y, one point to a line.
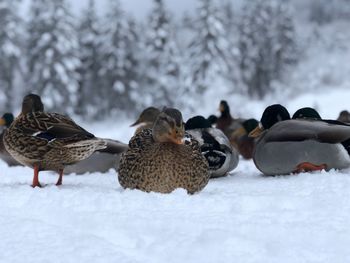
x: 6, y: 121
x: 290, y: 144
x: 215, y: 146
x: 164, y: 158
x: 162, y: 167
x: 49, y: 140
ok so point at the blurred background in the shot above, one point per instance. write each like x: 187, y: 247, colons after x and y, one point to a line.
x: 107, y: 59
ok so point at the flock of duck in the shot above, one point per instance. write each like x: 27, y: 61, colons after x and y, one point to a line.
x: 166, y: 153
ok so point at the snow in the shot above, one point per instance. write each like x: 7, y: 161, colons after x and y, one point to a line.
x: 244, y: 217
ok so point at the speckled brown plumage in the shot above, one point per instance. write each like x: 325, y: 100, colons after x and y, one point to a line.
x: 49, y: 140
x: 163, y: 167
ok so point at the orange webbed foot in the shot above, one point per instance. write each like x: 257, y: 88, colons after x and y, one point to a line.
x: 309, y: 167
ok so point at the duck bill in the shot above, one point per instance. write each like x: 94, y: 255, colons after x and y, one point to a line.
x: 2, y: 122
x: 135, y: 123
x: 256, y: 132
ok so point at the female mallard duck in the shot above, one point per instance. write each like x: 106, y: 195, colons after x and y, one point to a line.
x: 161, y: 160
x: 47, y: 141
x: 286, y: 146
x: 215, y: 146
x: 225, y: 122
x: 146, y: 119
x: 6, y: 121
x: 241, y: 141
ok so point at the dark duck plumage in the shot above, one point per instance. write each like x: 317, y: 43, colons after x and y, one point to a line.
x: 294, y: 145
x: 6, y: 120
x: 226, y: 123
x: 215, y: 146
x: 164, y: 158
x: 47, y: 141
x: 241, y: 140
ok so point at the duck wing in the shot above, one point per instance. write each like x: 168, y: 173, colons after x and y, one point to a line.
x: 51, y: 126
x: 300, y: 130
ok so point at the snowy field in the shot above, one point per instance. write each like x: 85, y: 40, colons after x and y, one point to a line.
x: 245, y: 217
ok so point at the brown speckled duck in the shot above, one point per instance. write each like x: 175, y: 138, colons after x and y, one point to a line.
x: 146, y: 119
x: 6, y: 121
x: 47, y: 141
x: 161, y: 159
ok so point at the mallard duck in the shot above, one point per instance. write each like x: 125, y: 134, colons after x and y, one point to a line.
x: 306, y: 113
x: 241, y: 141
x: 164, y: 158
x: 146, y: 119
x: 100, y: 161
x: 225, y: 122
x: 290, y: 146
x: 6, y: 121
x: 215, y: 146
x: 212, y: 120
x: 344, y: 116
x: 47, y: 141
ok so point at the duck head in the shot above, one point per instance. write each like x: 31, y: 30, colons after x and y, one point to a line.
x: 197, y: 122
x: 212, y: 119
x: 272, y: 114
x: 169, y: 127
x: 306, y: 113
x: 224, y: 108
x: 32, y: 103
x: 6, y: 119
x: 148, y: 115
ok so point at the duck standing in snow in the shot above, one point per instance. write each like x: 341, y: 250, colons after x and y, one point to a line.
x: 6, y: 120
x: 215, y: 146
x: 146, y: 119
x: 47, y: 141
x: 289, y: 146
x: 241, y: 140
x: 160, y: 160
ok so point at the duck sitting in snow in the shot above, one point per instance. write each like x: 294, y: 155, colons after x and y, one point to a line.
x: 289, y: 146
x: 306, y: 113
x: 6, y: 120
x: 161, y: 159
x: 47, y: 141
x: 241, y: 140
x: 215, y: 146
x: 146, y: 119
x: 344, y: 116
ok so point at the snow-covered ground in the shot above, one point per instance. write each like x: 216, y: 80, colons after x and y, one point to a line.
x: 245, y: 217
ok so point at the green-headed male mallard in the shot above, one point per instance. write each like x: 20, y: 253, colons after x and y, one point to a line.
x: 215, y: 146
x: 306, y: 113
x: 161, y: 159
x: 286, y: 146
x: 146, y: 119
x: 6, y: 120
x: 47, y: 141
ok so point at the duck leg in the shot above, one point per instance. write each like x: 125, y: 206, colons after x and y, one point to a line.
x: 59, y: 181
x: 36, y: 177
x: 309, y: 167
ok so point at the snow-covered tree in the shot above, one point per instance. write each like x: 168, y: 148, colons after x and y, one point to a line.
x: 52, y: 54
x: 267, y: 44
x: 90, y: 44
x: 120, y: 62
x: 210, y: 56
x: 163, y: 84
x: 10, y: 51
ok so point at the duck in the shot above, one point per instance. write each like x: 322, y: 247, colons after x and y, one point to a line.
x: 146, y: 119
x: 215, y: 146
x: 100, y: 161
x: 344, y: 116
x: 226, y: 122
x: 286, y: 146
x: 306, y: 113
x: 164, y: 158
x: 241, y: 141
x: 212, y: 120
x: 6, y: 120
x: 47, y: 141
